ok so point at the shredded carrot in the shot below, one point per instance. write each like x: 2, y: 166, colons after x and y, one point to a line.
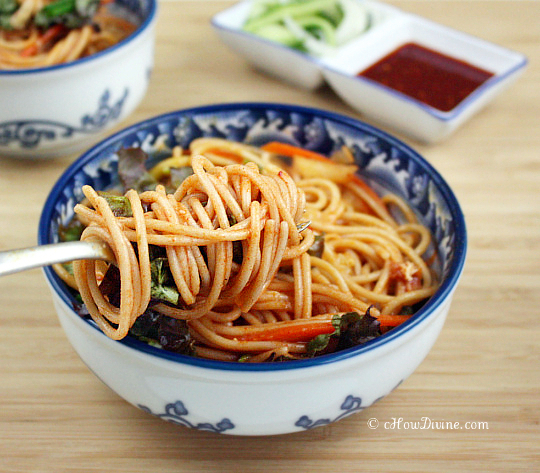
x: 294, y: 331
x: 226, y: 154
x: 392, y: 320
x: 290, y: 150
x: 30, y: 50
x: 305, y: 330
x: 50, y: 35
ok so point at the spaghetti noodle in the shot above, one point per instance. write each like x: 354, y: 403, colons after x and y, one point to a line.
x: 26, y: 43
x: 261, y: 251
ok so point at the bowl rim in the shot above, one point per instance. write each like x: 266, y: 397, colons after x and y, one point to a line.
x: 444, y: 291
x: 147, y: 21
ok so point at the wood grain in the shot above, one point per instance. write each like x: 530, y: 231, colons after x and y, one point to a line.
x: 55, y: 416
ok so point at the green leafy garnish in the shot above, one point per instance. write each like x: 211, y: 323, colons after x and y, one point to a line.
x: 165, y: 294
x: 356, y: 329
x: 7, y: 8
x: 72, y: 231
x: 132, y: 171
x: 159, y: 289
x: 119, y: 204
x: 158, y: 271
x: 70, y: 13
x: 320, y: 342
x: 163, y: 332
x: 350, y: 329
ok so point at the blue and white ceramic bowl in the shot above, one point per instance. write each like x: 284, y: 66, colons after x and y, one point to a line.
x: 63, y: 109
x: 259, y: 398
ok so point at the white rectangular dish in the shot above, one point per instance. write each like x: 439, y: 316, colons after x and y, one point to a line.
x: 383, y: 104
x: 404, y: 113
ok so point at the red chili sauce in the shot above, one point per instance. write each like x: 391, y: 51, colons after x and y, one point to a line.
x: 428, y: 76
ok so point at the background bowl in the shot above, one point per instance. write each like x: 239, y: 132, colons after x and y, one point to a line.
x: 63, y: 109
x: 264, y: 398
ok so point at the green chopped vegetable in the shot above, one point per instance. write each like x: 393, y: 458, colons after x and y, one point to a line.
x: 159, y: 289
x: 72, y: 231
x: 277, y: 11
x: 159, y: 271
x: 7, y: 8
x: 320, y: 342
x: 163, y: 332
x: 313, y: 26
x: 350, y: 329
x: 320, y: 28
x: 165, y: 293
x: 119, y: 204
x: 280, y: 34
x: 132, y: 171
x: 70, y: 13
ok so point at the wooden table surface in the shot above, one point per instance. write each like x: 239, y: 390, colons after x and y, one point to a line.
x: 55, y: 416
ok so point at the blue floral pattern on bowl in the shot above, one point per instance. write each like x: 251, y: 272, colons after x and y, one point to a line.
x: 30, y: 133
x: 176, y: 413
x: 350, y: 405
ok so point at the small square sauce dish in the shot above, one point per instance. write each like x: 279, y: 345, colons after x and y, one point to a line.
x: 270, y: 50
x: 419, y: 77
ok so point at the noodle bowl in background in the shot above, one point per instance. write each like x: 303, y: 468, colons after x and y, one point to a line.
x: 53, y: 108
x: 26, y: 42
x: 183, y: 388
